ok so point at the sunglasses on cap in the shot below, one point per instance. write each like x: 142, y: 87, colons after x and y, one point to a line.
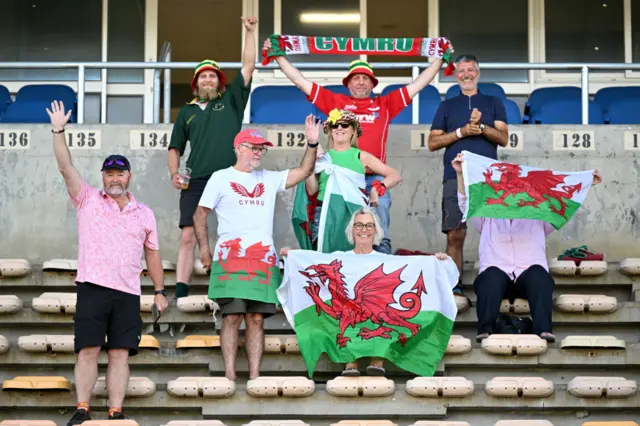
x: 466, y: 58
x: 341, y: 125
x: 112, y: 162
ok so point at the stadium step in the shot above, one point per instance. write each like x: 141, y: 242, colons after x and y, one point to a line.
x: 276, y: 423
x: 140, y: 387
x: 10, y: 304
x: 440, y: 387
x: 587, y: 268
x: 27, y: 423
x: 360, y: 386
x: 527, y: 387
x: 630, y: 266
x: 55, y: 303
x: 523, y: 423
x: 166, y: 266
x: 195, y: 342
x: 14, y: 268
x: 206, y: 387
x: 592, y: 342
x: 519, y: 306
x: 587, y: 303
x: 271, y: 387
x: 462, y: 303
x: 194, y: 423
x: 602, y: 387
x: 61, y: 265
x: 439, y: 423
x: 149, y: 342
x: 623, y: 423
x: 37, y: 383
x: 110, y: 423
x: 514, y: 344
x: 281, y: 344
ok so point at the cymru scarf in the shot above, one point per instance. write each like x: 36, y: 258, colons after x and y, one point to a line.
x: 284, y: 45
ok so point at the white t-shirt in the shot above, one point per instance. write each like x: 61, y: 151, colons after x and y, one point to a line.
x: 373, y: 252
x: 244, y: 202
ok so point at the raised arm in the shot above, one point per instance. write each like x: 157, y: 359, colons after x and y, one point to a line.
x: 249, y: 52
x: 305, y: 169
x: 292, y: 73
x: 424, y: 78
x: 202, y: 235
x: 59, y: 119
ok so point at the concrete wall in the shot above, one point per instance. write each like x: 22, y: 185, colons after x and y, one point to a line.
x: 37, y: 220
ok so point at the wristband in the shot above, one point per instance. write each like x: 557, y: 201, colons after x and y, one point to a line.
x: 380, y: 187
x: 61, y: 131
x: 312, y: 145
x: 459, y: 133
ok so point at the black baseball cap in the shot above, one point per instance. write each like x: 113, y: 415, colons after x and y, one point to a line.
x: 118, y: 162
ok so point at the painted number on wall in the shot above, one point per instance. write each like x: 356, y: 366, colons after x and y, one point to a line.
x: 287, y: 138
x: 631, y: 141
x: 149, y: 139
x: 573, y: 141
x: 516, y: 141
x: 14, y: 139
x: 419, y: 139
x: 83, y: 139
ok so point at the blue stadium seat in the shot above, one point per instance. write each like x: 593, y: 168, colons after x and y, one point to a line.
x: 608, y: 95
x: 428, y: 110
x: 513, y: 112
x: 491, y: 89
x: 428, y: 93
x: 624, y: 111
x: 5, y: 99
x: 279, y: 105
x: 568, y: 111
x: 49, y: 93
x: 541, y: 96
x: 27, y: 112
x: 339, y: 88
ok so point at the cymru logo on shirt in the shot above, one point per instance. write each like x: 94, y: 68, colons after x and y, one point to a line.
x: 257, y: 192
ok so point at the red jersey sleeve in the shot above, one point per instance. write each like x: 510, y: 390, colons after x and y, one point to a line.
x: 325, y: 100
x: 397, y: 101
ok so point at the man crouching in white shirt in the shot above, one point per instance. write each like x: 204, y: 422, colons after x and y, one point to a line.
x: 245, y: 273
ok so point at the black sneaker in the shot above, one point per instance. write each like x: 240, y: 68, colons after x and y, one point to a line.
x: 79, y: 417
x: 117, y: 415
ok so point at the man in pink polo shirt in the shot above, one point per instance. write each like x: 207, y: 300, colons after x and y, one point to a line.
x: 113, y: 232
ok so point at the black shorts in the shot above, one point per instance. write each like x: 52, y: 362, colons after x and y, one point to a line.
x: 189, y: 199
x: 103, y: 312
x: 243, y: 306
x: 451, y: 214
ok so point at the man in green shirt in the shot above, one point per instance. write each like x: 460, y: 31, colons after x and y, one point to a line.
x: 209, y: 122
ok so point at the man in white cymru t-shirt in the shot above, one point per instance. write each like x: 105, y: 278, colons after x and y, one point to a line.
x: 244, y: 266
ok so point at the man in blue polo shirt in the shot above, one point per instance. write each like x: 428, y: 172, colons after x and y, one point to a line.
x: 471, y: 121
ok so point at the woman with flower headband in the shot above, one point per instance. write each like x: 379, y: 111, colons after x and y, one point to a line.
x: 343, y: 130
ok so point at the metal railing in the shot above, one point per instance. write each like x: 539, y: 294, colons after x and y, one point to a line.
x: 584, y: 69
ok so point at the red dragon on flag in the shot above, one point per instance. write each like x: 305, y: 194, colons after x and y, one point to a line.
x: 372, y: 301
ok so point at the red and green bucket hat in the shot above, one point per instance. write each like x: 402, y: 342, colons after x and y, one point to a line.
x: 208, y: 64
x: 360, y: 67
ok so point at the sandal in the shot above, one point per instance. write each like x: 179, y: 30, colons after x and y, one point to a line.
x: 351, y: 372
x: 481, y: 337
x: 548, y: 336
x: 578, y: 254
x: 373, y: 370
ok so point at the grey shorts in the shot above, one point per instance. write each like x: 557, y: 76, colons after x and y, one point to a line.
x: 451, y: 214
x: 229, y: 306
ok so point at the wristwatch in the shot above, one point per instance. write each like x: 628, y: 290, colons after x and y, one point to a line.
x: 482, y: 126
x: 162, y: 292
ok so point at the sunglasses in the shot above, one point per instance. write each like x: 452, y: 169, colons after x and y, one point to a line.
x: 370, y: 226
x: 256, y: 149
x: 112, y: 162
x: 341, y: 125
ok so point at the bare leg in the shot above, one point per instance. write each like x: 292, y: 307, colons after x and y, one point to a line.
x: 377, y: 362
x: 229, y: 343
x: 255, y: 342
x: 117, y: 376
x: 352, y: 365
x: 186, y: 255
x: 455, y: 244
x: 86, y: 373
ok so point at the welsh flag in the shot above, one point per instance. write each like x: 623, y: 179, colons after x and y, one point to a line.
x: 511, y: 191
x: 245, y: 267
x: 400, y: 308
x: 344, y: 195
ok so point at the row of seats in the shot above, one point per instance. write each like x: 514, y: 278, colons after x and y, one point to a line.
x: 17, y: 268
x: 496, y: 344
x: 65, y: 303
x: 527, y: 422
x: 341, y: 386
x: 31, y: 103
